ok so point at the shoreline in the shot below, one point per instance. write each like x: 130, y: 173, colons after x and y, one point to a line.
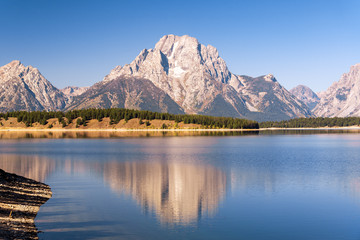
x: 319, y: 128
x: 124, y: 130
x: 166, y: 130
x: 20, y: 201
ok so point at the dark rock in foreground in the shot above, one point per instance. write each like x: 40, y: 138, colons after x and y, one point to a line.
x: 20, y: 200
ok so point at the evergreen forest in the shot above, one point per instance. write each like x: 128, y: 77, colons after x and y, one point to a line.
x: 117, y: 114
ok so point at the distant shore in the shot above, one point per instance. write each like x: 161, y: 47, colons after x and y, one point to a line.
x: 134, y: 125
x: 124, y: 130
x: 312, y: 128
x: 30, y: 129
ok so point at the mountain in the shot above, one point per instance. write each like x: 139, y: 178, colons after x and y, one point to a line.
x: 134, y: 93
x: 198, y: 80
x: 72, y: 91
x: 179, y: 75
x: 192, y: 74
x: 24, y: 88
x: 306, y: 95
x: 269, y: 101
x: 342, y: 98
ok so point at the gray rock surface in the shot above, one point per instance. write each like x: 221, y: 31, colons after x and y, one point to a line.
x: 24, y: 88
x: 133, y: 93
x: 342, y: 98
x: 306, y: 95
x: 199, y: 81
x: 268, y: 100
x: 20, y: 200
x: 72, y: 91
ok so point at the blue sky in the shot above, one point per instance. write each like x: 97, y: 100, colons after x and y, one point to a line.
x: 78, y: 42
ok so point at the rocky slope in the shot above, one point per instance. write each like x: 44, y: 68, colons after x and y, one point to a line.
x: 20, y: 200
x: 72, y: 91
x: 129, y: 92
x: 269, y: 101
x: 306, y: 95
x: 24, y: 88
x: 197, y: 79
x: 342, y: 98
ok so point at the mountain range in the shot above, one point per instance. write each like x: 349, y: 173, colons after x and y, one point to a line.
x: 180, y: 75
x: 24, y: 88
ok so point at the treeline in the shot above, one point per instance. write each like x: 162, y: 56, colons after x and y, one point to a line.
x: 117, y: 114
x: 313, y: 122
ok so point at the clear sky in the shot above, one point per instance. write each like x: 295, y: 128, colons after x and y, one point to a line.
x: 78, y: 42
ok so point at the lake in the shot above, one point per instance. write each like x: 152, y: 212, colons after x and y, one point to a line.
x: 260, y: 185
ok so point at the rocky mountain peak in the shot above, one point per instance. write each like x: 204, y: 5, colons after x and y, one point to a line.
x: 24, y: 88
x: 182, y: 67
x: 341, y: 99
x: 354, y: 72
x: 169, y: 43
x: 306, y: 95
x: 175, y: 56
x: 10, y: 70
x: 196, y: 78
x: 302, y: 89
x: 185, y: 54
x: 355, y: 67
x: 13, y: 63
x: 270, y: 78
x: 16, y: 68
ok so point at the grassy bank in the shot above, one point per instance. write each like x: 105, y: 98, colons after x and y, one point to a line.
x: 118, y: 118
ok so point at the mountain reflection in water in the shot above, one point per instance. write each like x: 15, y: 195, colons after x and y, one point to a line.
x: 33, y: 167
x: 265, y: 186
x: 178, y: 193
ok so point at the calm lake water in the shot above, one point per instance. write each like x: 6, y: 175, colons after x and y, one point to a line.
x: 250, y: 186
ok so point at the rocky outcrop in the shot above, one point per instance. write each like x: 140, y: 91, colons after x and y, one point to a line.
x: 306, y: 95
x: 24, y: 88
x: 20, y: 200
x: 342, y: 98
x: 72, y: 91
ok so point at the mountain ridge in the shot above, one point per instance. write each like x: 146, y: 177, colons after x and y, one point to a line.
x: 342, y: 98
x: 306, y: 95
x: 24, y: 88
x: 181, y: 75
x: 199, y: 81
